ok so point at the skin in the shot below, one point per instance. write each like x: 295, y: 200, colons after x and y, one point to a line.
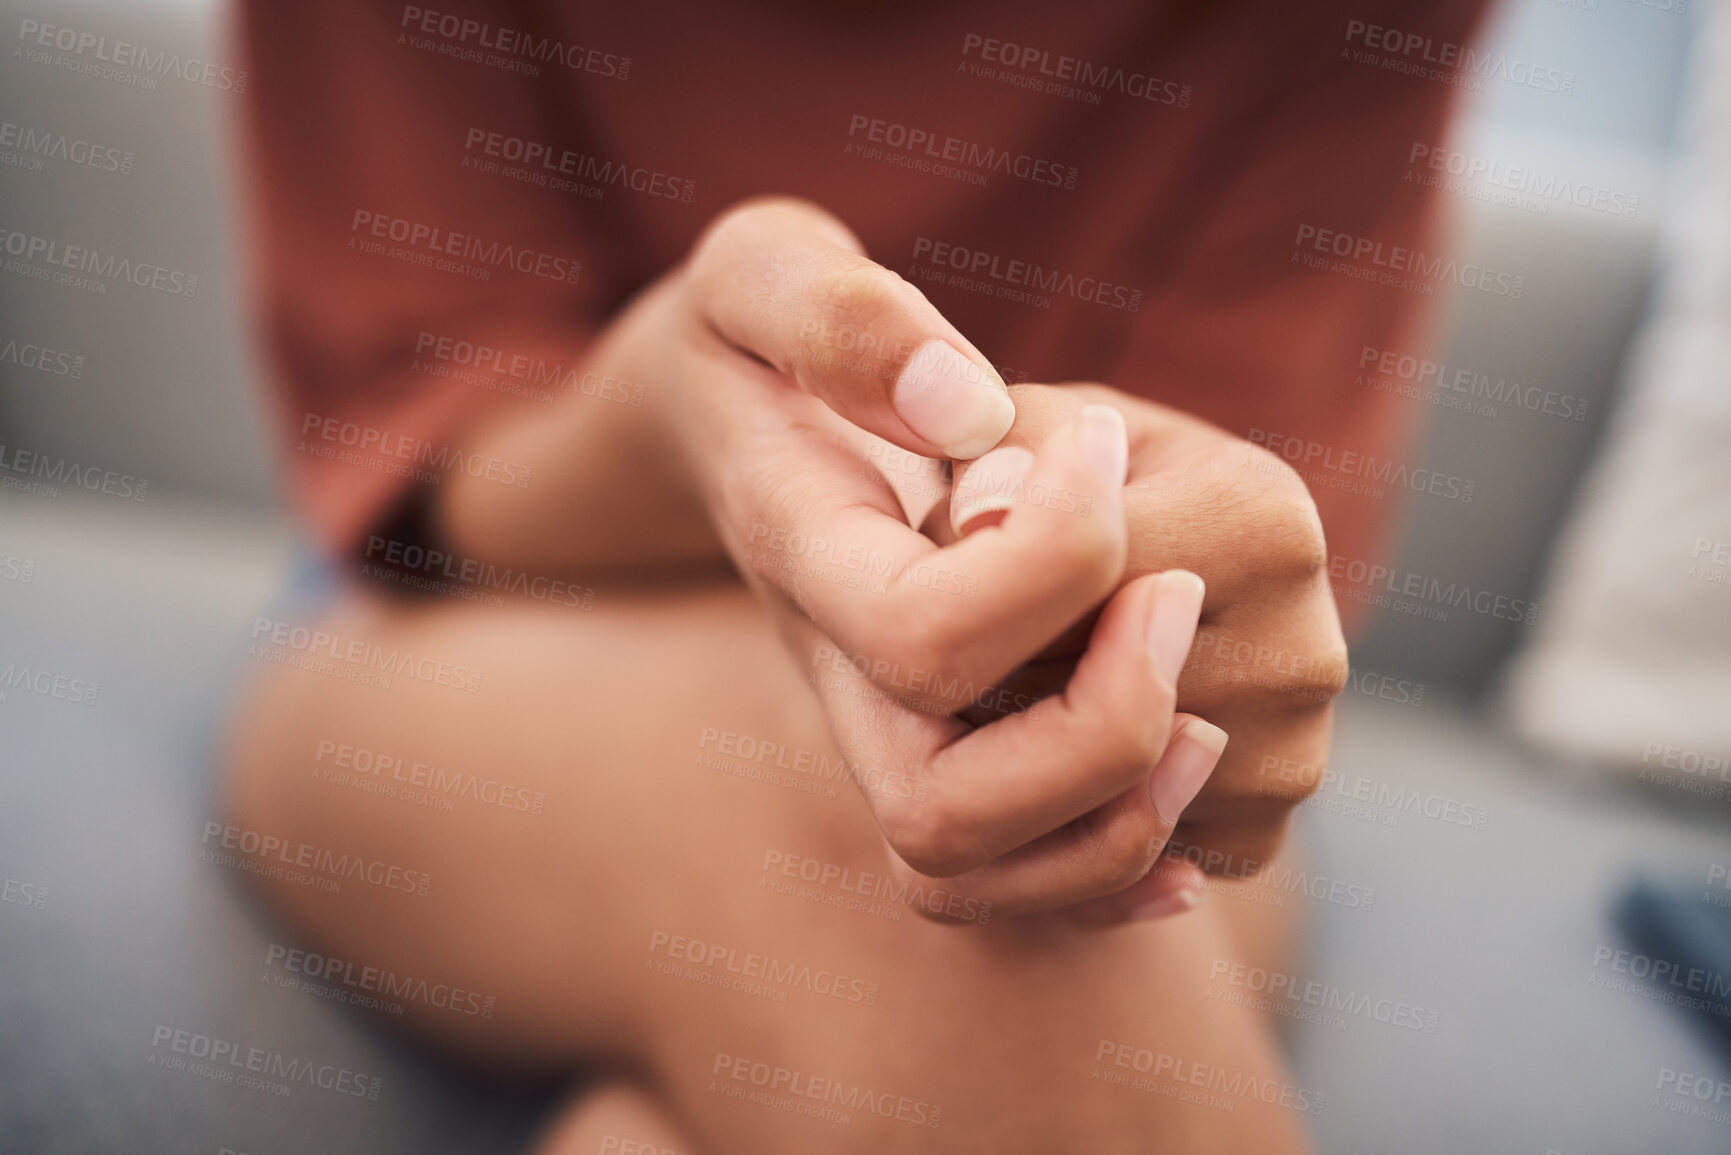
x: 1022, y: 984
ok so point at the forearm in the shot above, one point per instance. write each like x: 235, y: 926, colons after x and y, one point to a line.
x: 608, y: 492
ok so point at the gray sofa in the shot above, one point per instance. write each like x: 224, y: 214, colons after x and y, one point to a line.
x: 113, y: 930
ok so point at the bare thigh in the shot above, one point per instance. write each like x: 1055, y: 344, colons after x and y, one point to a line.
x: 640, y: 853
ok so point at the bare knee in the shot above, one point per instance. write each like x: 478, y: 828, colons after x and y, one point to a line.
x: 614, y: 1118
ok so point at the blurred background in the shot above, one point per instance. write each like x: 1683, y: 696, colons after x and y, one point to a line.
x: 1574, y: 705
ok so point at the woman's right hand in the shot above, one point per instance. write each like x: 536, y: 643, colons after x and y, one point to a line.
x: 790, y: 364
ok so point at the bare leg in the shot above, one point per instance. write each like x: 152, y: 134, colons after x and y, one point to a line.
x: 1029, y: 1035
x: 614, y: 1119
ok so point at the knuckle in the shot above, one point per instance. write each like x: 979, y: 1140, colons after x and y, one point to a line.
x: 946, y: 907
x: 1304, y: 550
x: 1270, y: 470
x: 1128, y: 731
x: 1141, y: 730
x: 1328, y: 673
x: 929, y: 644
x: 736, y: 237
x: 751, y: 214
x: 1320, y: 677
x: 927, y: 842
x: 855, y: 292
x: 1118, y: 848
x: 1305, y: 679
x: 1239, y: 853
x: 1269, y: 781
x: 1281, y: 784
x: 1288, y: 524
x: 720, y: 241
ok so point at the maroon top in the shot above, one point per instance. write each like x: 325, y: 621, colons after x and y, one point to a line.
x: 1117, y: 191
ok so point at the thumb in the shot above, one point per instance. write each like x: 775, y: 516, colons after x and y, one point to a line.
x: 786, y: 283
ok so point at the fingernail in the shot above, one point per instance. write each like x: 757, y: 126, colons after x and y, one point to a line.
x: 1172, y: 621
x: 959, y: 405
x: 1186, y: 765
x: 1106, y: 442
x: 1168, y: 905
x: 991, y: 483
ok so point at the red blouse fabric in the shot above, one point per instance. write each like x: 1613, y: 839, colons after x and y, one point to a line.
x: 1215, y: 205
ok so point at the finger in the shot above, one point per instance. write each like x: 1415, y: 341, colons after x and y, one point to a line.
x: 787, y: 283
x: 1170, y: 888
x: 993, y: 790
x: 1031, y: 682
x: 1104, y: 858
x: 1279, y: 757
x: 1237, y: 849
x: 989, y: 489
x: 933, y: 625
x: 986, y: 487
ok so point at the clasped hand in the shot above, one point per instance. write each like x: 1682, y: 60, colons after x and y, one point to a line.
x: 1028, y: 602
